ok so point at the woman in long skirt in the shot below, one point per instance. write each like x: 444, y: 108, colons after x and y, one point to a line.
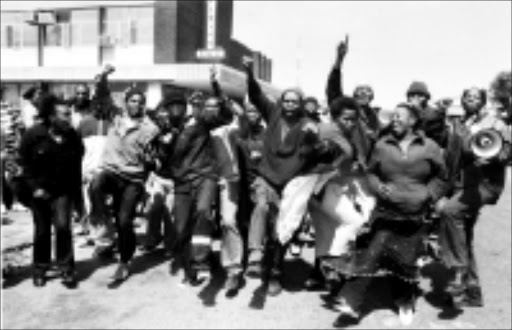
x: 407, y: 174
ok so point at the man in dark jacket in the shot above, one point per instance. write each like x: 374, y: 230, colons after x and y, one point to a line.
x: 282, y: 159
x: 479, y: 182
x: 188, y: 160
x: 51, y: 153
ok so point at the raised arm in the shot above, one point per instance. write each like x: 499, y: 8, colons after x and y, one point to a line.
x: 256, y: 95
x: 101, y: 100
x: 334, y: 85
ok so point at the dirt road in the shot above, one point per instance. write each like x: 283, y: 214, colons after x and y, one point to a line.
x: 153, y: 299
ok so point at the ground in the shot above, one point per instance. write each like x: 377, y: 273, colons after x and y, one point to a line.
x: 153, y: 299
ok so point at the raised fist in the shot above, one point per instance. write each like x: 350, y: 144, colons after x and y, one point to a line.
x: 248, y: 62
x: 213, y: 73
x: 109, y: 69
x: 342, y: 49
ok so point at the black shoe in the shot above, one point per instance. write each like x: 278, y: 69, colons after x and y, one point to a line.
x: 346, y: 319
x: 104, y: 252
x: 122, y: 273
x: 197, y: 275
x: 39, y: 281
x: 472, y: 298
x: 274, y: 287
x: 315, y: 282
x: 69, y: 280
x: 233, y: 284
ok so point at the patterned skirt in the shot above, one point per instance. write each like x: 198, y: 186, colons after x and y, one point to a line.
x: 391, y: 247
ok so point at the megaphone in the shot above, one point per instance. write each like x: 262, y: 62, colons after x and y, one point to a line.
x: 486, y: 144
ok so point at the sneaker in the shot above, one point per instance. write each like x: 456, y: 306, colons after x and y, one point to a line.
x: 472, y: 298
x: 39, y: 281
x: 233, y: 284
x: 196, y: 278
x: 348, y: 316
x: 122, y: 272
x: 406, y: 314
x: 69, y: 280
x: 274, y: 287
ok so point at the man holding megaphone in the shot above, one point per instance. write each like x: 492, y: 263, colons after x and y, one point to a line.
x: 480, y: 180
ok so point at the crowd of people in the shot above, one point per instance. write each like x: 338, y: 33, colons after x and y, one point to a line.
x: 371, y: 192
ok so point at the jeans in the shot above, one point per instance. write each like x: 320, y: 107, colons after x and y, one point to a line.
x: 194, y: 222
x: 58, y: 210
x: 262, y: 231
x: 125, y: 196
x: 160, y: 208
x: 456, y: 233
x: 266, y: 204
x: 232, y: 248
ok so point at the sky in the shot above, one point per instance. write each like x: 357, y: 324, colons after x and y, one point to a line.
x: 448, y: 45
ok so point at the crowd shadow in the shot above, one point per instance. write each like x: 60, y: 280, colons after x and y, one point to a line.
x: 14, y: 275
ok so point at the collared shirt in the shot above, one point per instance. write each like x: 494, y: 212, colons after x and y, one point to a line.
x: 416, y: 176
x: 127, y: 147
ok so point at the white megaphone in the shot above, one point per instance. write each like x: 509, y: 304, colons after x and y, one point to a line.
x: 486, y: 143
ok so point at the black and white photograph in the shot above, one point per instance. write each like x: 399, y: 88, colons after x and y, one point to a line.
x: 233, y: 164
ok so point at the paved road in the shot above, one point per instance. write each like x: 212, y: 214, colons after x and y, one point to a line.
x: 152, y: 298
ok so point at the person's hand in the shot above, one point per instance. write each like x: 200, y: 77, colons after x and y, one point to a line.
x: 479, y: 161
x: 310, y: 127
x: 255, y: 155
x: 444, y: 103
x: 385, y: 190
x: 310, y: 133
x: 41, y: 194
x: 248, y: 63
x: 166, y: 138
x: 108, y: 69
x: 439, y: 207
x: 213, y: 73
x: 342, y: 50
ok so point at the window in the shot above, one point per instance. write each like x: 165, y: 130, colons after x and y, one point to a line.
x: 133, y: 32
x: 53, y: 35
x: 12, y: 33
x: 84, y: 28
x: 129, y: 26
x: 13, y: 36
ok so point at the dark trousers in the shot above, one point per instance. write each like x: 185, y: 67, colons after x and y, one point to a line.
x: 355, y: 290
x: 126, y: 196
x: 159, y: 213
x: 194, y: 221
x: 262, y: 230
x: 266, y: 205
x: 58, y: 211
x: 456, y: 234
x: 6, y: 193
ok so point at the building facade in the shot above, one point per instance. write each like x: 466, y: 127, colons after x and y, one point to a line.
x: 153, y: 44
